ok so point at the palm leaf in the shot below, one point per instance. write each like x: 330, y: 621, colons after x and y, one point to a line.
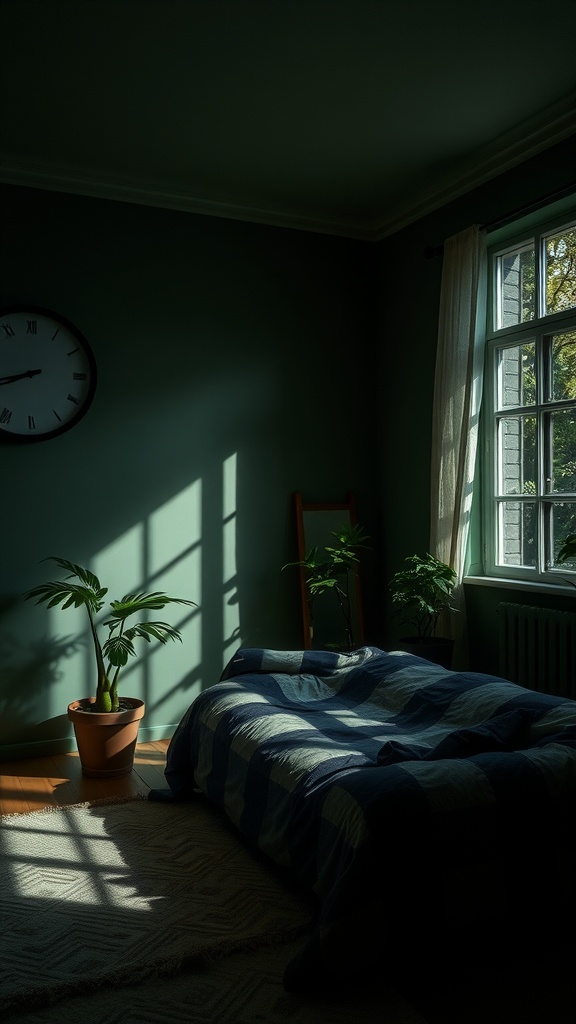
x: 118, y: 649
x: 89, y: 593
x: 161, y: 631
x: 88, y: 578
x: 66, y: 594
x: 132, y: 604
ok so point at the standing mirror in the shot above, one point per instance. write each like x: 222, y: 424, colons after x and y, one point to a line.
x: 331, y: 598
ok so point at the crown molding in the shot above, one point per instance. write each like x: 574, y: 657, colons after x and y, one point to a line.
x: 531, y: 138
x: 509, y: 150
x: 77, y: 182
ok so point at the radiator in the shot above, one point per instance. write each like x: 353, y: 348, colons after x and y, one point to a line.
x: 538, y: 648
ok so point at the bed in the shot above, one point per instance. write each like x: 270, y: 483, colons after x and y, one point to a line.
x: 396, y: 792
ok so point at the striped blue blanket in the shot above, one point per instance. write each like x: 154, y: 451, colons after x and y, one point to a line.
x: 366, y: 775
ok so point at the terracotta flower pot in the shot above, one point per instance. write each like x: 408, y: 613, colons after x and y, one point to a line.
x: 106, y: 740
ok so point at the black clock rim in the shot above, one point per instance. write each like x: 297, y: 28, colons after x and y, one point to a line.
x: 9, y: 435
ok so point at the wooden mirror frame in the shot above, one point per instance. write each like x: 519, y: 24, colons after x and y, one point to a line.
x: 302, y: 510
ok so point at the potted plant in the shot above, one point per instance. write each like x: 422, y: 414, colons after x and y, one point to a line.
x: 568, y: 549
x: 106, y: 725
x: 420, y: 594
x: 567, y: 552
x: 331, y: 572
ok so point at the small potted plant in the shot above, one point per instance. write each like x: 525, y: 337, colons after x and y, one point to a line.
x: 106, y: 725
x: 331, y: 571
x: 567, y: 549
x: 567, y: 553
x: 420, y: 594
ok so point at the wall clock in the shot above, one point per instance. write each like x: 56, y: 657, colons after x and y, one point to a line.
x: 47, y: 374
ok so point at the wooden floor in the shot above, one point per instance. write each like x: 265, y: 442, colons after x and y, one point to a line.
x: 57, y: 781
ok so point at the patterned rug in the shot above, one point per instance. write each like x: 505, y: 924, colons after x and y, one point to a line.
x: 143, y: 911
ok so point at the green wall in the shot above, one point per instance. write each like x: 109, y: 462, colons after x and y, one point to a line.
x: 232, y: 371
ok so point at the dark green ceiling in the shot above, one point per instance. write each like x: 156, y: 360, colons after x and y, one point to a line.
x: 352, y: 117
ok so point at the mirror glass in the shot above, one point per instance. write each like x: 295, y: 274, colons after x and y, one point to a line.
x: 332, y: 617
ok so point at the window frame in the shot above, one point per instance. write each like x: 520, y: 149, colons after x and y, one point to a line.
x: 496, y: 338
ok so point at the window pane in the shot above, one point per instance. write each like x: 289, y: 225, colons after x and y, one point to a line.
x: 517, y: 533
x: 563, y: 367
x: 517, y: 455
x: 516, y: 287
x: 562, y: 427
x: 563, y: 525
x: 517, y: 375
x: 560, y: 271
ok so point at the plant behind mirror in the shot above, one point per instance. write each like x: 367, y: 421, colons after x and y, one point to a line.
x: 113, y: 653
x: 332, y: 570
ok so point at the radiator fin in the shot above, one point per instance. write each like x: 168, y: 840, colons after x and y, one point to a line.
x: 538, y: 648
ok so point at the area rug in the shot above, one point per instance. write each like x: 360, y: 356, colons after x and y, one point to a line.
x: 242, y: 988
x: 107, y: 895
x: 142, y: 911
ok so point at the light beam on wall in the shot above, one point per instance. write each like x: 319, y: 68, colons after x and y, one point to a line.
x: 166, y: 551
x: 230, y: 606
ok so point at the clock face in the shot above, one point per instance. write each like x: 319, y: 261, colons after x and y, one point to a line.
x: 47, y: 374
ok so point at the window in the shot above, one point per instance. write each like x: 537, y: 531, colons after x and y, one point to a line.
x: 530, y: 402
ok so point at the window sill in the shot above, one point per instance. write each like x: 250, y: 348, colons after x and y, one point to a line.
x: 532, y: 586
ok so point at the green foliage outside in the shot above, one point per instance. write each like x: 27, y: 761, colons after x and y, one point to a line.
x: 560, y: 288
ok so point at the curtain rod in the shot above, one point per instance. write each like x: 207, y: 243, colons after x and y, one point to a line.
x: 432, y: 251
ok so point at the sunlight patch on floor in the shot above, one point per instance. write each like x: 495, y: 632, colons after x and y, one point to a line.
x: 44, y: 862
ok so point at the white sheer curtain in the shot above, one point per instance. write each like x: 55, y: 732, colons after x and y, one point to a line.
x: 457, y: 397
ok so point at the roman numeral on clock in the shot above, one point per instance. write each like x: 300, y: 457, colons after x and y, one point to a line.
x: 31, y: 423
x: 5, y: 415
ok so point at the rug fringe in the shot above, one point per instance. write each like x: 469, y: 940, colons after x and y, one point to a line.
x: 127, y: 975
x: 85, y: 806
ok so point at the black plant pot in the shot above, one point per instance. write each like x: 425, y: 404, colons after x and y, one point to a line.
x: 438, y: 649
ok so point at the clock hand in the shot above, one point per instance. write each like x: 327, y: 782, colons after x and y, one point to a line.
x: 19, y: 376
